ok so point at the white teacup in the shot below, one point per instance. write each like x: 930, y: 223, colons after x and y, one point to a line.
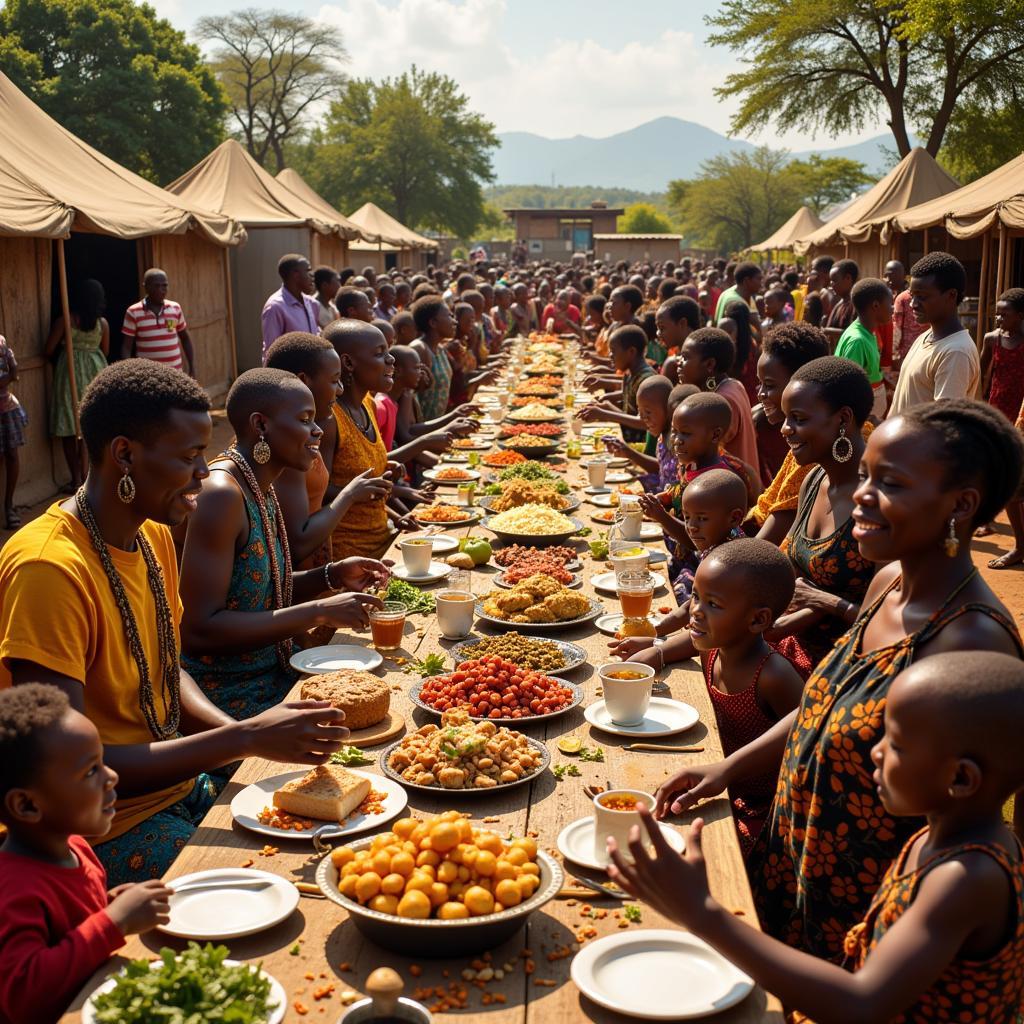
x: 631, y: 523
x: 617, y: 823
x: 597, y: 470
x: 416, y: 555
x: 626, y: 699
x: 624, y: 556
x: 455, y: 610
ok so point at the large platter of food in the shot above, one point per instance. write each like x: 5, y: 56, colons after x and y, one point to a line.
x: 515, y: 493
x: 463, y: 756
x: 515, y: 553
x: 495, y: 689
x: 528, y: 444
x: 535, y: 412
x: 552, y: 657
x: 538, y: 603
x: 539, y: 429
x: 445, y: 515
x: 479, y: 892
x: 533, y: 524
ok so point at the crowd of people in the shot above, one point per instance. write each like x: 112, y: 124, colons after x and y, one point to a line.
x: 819, y: 449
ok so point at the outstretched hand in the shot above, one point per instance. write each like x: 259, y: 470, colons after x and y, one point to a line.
x: 673, y: 884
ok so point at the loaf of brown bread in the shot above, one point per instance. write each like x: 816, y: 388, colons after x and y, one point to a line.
x: 363, y: 697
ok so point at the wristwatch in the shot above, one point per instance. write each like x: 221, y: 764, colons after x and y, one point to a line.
x: 660, y: 641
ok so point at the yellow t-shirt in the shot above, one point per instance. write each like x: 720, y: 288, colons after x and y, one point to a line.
x: 57, y: 610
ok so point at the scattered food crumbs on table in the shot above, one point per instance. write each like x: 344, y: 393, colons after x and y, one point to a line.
x: 348, y: 997
x: 269, y: 851
x: 492, y: 817
x: 545, y: 982
x: 346, y: 966
x: 294, y: 951
x: 300, y: 1008
x: 248, y: 863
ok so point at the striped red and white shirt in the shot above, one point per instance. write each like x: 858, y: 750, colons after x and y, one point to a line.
x: 156, y: 334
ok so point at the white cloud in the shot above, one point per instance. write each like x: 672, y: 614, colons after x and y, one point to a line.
x: 562, y: 87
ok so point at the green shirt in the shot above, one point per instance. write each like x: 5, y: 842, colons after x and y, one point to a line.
x: 731, y: 295
x: 859, y: 345
x: 630, y: 385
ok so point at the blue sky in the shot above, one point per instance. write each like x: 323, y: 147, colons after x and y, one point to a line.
x: 554, y: 67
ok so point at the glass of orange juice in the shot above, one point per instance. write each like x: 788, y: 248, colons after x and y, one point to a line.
x: 387, y: 625
x: 636, y: 592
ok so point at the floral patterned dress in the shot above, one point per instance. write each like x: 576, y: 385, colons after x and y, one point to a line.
x: 243, y: 685
x: 829, y: 840
x: 967, y: 991
x: 831, y: 563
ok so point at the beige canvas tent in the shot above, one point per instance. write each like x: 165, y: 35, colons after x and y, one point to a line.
x: 396, y: 244
x: 67, y: 212
x: 332, y: 250
x: 855, y: 231
x: 802, y: 223
x: 278, y: 221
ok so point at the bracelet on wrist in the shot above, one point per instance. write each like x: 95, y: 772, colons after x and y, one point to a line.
x: 328, y: 583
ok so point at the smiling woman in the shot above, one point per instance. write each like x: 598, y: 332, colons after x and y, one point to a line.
x: 242, y: 602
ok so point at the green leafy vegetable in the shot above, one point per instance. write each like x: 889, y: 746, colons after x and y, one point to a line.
x: 431, y: 665
x: 349, y: 756
x: 195, y: 986
x: 294, y: 951
x: 585, y: 532
x: 631, y: 912
x: 415, y: 600
x: 591, y: 754
x: 560, y: 771
x: 534, y: 471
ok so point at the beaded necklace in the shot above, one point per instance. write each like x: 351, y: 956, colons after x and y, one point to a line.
x: 282, y: 579
x: 170, y: 672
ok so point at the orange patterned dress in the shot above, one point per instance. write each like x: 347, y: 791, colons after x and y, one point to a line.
x: 829, y: 840
x: 967, y: 991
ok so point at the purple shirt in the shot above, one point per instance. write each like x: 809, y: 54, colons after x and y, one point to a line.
x: 282, y: 313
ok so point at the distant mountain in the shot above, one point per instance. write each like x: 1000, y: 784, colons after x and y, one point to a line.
x: 644, y: 158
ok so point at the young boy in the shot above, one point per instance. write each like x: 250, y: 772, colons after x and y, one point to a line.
x: 676, y: 319
x: 842, y: 277
x: 404, y: 327
x: 58, y: 923
x: 327, y: 283
x: 628, y: 346
x: 775, y: 302
x: 652, y: 398
x: 872, y: 302
x: 943, y: 939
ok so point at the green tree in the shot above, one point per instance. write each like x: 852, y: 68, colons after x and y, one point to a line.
x: 410, y: 144
x: 827, y: 180
x: 644, y: 219
x: 982, y: 138
x: 494, y: 225
x: 836, y: 66
x: 119, y: 77
x: 737, y: 199
x: 275, y: 67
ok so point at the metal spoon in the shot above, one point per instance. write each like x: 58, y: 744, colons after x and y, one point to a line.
x: 617, y: 894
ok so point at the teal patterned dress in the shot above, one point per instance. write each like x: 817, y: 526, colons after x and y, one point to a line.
x: 243, y: 685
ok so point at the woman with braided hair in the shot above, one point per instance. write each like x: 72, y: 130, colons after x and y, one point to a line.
x: 927, y: 478
x: 89, y: 602
x: 242, y: 602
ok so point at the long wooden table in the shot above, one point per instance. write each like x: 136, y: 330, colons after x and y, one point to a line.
x: 319, y: 944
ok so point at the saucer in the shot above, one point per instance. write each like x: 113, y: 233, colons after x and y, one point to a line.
x: 606, y: 582
x: 437, y: 571
x: 664, y: 717
x: 576, y: 843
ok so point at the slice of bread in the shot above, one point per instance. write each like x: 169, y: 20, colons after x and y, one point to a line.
x: 328, y: 793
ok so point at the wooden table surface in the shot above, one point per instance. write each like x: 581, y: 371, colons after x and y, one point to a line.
x: 326, y: 939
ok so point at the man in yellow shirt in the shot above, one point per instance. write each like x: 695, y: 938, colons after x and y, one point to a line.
x: 89, y: 602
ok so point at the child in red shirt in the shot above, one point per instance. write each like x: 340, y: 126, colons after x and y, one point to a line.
x: 58, y: 923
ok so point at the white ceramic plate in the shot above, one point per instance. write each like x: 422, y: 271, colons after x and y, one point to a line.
x: 231, y: 910
x: 576, y: 843
x: 648, y: 531
x: 437, y: 571
x: 605, y: 582
x: 248, y: 803
x: 604, y: 500
x: 599, y: 430
x: 480, y: 444
x: 277, y: 998
x: 658, y: 974
x: 442, y: 542
x: 597, y: 491
x: 333, y: 657
x: 609, y: 624
x: 455, y: 457
x: 665, y: 717
x: 617, y: 478
x: 432, y: 474
x: 471, y: 516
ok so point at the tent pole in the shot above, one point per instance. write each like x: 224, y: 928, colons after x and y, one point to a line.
x: 986, y: 245
x: 924, y: 242
x: 69, y: 351
x: 229, y: 301
x: 1000, y: 269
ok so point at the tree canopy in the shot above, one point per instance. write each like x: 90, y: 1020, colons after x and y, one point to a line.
x: 740, y: 198
x: 119, y: 77
x: 644, y: 219
x: 836, y: 66
x: 982, y: 137
x: 275, y: 68
x: 409, y: 144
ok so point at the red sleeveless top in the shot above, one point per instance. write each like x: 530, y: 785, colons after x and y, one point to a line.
x: 1006, y: 392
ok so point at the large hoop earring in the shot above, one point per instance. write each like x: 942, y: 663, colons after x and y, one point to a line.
x: 711, y: 384
x: 951, y: 545
x: 126, y: 488
x: 261, y: 451
x: 840, y: 454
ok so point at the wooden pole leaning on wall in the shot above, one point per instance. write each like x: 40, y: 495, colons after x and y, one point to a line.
x: 69, y: 350
x: 983, y: 287
x: 1000, y: 262
x: 230, y: 302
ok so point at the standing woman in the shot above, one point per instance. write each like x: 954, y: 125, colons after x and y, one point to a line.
x: 242, y: 602
x: 436, y: 325
x: 825, y: 403
x: 927, y: 478
x: 90, y: 345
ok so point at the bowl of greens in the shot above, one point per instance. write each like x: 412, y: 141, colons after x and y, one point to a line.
x: 198, y: 984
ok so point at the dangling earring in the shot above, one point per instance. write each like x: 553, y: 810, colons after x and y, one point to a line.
x: 951, y: 545
x: 126, y: 488
x: 840, y: 454
x: 711, y: 384
x: 261, y: 451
